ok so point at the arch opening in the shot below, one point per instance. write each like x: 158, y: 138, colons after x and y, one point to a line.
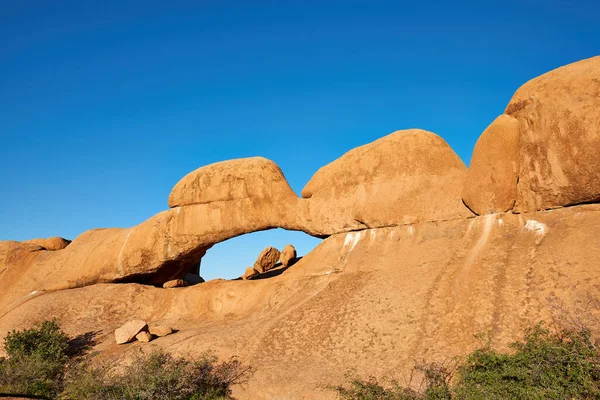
x: 230, y: 258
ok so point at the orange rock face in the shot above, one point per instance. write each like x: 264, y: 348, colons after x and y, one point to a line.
x: 407, y: 272
x: 559, y: 116
x: 129, y: 331
x: 266, y: 259
x: 52, y: 243
x: 245, y: 178
x: 144, y: 337
x: 175, y: 283
x: 288, y: 255
x: 374, y: 300
x: 405, y: 177
x: 249, y: 273
x: 491, y: 184
x: 160, y: 331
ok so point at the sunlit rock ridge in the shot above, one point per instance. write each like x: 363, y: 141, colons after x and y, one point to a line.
x: 420, y: 253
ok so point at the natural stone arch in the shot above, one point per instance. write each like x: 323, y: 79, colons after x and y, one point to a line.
x: 405, y: 177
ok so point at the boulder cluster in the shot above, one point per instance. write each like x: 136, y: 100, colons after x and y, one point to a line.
x: 540, y: 153
x: 268, y: 258
x: 139, y: 330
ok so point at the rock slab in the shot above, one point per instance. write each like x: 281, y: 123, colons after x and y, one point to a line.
x: 175, y: 283
x: 144, y: 337
x: 160, y: 330
x: 128, y: 332
x: 266, y: 259
x: 288, y: 255
x: 559, y: 117
x: 250, y: 273
x: 491, y: 184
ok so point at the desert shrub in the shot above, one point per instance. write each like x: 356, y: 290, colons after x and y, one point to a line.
x: 436, y: 386
x: 546, y: 365
x: 563, y: 364
x: 371, y: 389
x: 45, y: 340
x: 437, y: 377
x: 43, y: 362
x: 156, y: 376
x: 36, y: 360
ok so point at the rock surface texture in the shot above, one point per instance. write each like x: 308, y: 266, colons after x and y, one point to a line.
x: 266, y: 259
x: 406, y: 271
x: 288, y: 255
x: 245, y: 178
x: 249, y: 273
x: 160, y: 331
x: 175, y: 283
x: 559, y: 156
x: 433, y: 287
x: 491, y: 184
x: 144, y: 337
x: 129, y: 331
x: 52, y: 243
x: 405, y: 177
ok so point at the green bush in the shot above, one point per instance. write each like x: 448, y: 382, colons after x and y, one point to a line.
x: 156, y: 376
x: 43, y: 362
x: 546, y: 365
x: 436, y: 382
x: 371, y: 389
x: 36, y: 361
x: 46, y: 340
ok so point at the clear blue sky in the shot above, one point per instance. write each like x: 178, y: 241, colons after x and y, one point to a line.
x: 105, y: 105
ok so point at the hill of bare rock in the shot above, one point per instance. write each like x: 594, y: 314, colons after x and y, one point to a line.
x: 420, y: 254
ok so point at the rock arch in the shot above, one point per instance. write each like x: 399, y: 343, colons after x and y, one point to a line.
x: 405, y: 177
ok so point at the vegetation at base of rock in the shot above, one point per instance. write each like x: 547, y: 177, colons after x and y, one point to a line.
x: 156, y: 376
x: 562, y: 364
x: 546, y: 365
x: 436, y: 383
x: 371, y: 389
x: 36, y: 360
x: 44, y: 363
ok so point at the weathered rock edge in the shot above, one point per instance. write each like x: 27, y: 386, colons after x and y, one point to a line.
x: 406, y: 177
x: 231, y: 198
x: 433, y: 287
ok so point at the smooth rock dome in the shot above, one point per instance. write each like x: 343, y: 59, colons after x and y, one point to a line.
x: 559, y: 117
x: 491, y: 184
x: 243, y: 178
x: 407, y: 176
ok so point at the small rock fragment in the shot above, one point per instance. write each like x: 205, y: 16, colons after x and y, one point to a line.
x: 174, y: 284
x: 250, y: 272
x: 266, y: 259
x: 144, y: 337
x: 288, y: 255
x: 160, y: 331
x: 128, y: 332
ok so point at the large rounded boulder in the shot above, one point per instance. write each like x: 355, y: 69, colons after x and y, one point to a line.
x: 559, y: 156
x: 244, y: 178
x: 491, y: 184
x: 405, y: 177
